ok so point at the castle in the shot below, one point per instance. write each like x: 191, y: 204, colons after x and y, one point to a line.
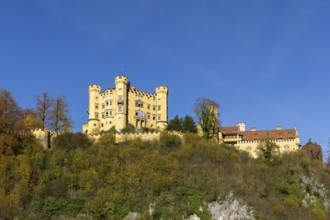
x: 117, y: 107
x: 287, y: 139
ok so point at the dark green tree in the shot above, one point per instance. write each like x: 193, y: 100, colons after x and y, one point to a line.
x: 129, y: 129
x: 188, y: 124
x: 268, y: 149
x: 175, y: 124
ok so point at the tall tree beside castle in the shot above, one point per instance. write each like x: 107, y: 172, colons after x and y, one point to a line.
x: 59, y: 118
x: 186, y: 124
x: 43, y: 107
x: 206, y: 111
x: 53, y: 112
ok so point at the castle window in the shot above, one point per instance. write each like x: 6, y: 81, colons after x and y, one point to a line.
x: 153, y: 117
x: 120, y: 109
x: 148, y: 106
x: 139, y: 113
x: 96, y: 115
x: 154, y: 107
x: 158, y: 117
x: 148, y: 115
x: 102, y: 125
x: 110, y: 102
x: 139, y: 104
x: 107, y: 103
x: 110, y: 112
x: 158, y: 107
x: 110, y: 122
x: 102, y: 114
x: 97, y: 106
x: 107, y: 114
x: 102, y: 106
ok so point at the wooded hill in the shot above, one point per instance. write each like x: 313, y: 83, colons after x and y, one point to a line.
x: 81, y: 179
x: 107, y: 181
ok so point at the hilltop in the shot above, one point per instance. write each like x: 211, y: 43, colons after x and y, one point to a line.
x: 168, y: 179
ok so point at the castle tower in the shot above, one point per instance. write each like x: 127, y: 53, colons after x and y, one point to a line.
x: 93, y: 109
x: 161, y: 109
x: 241, y: 126
x: 121, y: 83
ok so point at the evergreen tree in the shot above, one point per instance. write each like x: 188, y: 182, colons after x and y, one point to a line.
x: 175, y: 124
x: 188, y: 124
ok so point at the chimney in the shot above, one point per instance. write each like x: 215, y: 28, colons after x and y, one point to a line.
x: 278, y: 128
x: 253, y: 129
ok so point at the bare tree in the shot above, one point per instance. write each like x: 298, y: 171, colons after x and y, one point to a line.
x: 207, y: 115
x: 59, y: 118
x: 43, y: 107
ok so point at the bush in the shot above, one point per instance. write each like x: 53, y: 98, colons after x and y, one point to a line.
x: 129, y: 129
x: 169, y: 140
x: 71, y: 141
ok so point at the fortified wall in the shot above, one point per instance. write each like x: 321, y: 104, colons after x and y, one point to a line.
x: 44, y: 136
x: 145, y: 136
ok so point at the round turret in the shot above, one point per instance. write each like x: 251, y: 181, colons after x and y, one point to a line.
x: 94, y: 88
x: 121, y: 79
x: 162, y: 89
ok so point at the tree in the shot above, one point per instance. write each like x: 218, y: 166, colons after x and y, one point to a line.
x: 313, y: 150
x: 31, y: 119
x: 267, y: 149
x: 58, y: 116
x: 207, y: 115
x: 175, y: 124
x: 129, y: 128
x: 10, y: 114
x: 188, y: 124
x: 43, y: 107
x: 12, y: 128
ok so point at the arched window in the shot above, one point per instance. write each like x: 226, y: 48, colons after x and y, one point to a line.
x: 139, y: 113
x: 139, y: 104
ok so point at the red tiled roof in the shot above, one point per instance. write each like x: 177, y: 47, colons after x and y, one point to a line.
x: 269, y: 134
x: 262, y: 134
x: 229, y: 130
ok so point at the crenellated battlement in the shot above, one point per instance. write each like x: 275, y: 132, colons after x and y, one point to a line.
x: 145, y: 136
x: 141, y: 93
x: 162, y: 89
x: 121, y: 79
x: 94, y: 88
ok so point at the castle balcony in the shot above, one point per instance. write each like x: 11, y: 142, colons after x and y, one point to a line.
x: 141, y: 117
x: 231, y: 139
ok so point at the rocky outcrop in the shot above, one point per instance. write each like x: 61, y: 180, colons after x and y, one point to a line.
x: 229, y: 208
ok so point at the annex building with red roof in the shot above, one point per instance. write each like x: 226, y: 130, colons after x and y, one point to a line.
x: 287, y: 139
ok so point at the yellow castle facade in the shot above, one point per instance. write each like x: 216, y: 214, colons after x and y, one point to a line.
x: 124, y: 104
x: 287, y: 140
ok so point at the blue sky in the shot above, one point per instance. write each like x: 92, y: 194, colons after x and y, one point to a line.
x: 265, y: 62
